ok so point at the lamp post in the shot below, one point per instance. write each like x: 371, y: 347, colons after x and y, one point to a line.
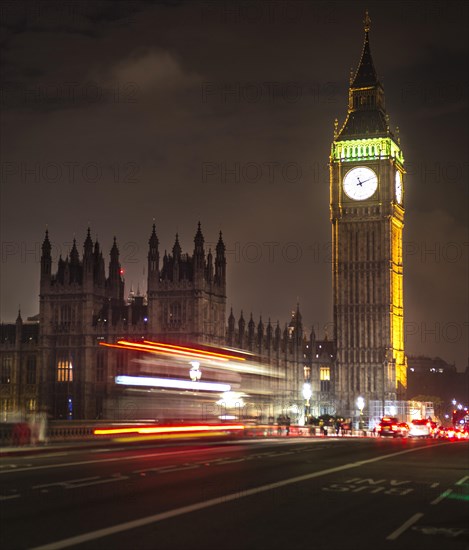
x: 307, y: 393
x: 360, y: 405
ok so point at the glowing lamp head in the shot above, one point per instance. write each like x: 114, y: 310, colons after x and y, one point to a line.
x: 195, y: 373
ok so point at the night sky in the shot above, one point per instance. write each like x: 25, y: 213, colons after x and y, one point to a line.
x: 118, y: 113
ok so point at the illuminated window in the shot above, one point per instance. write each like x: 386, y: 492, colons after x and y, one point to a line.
x: 307, y: 373
x: 31, y: 405
x: 5, y: 375
x: 64, y: 371
x: 324, y: 373
x: 6, y: 406
x: 325, y: 378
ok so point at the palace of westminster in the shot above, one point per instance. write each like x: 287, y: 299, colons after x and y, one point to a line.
x: 55, y: 362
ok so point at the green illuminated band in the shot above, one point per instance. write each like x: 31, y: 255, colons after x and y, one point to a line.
x: 352, y: 150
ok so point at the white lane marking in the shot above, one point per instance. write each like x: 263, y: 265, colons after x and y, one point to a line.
x: 82, y: 482
x: 116, y: 459
x: 145, y: 470
x: 462, y: 480
x: 179, y: 468
x: 99, y: 482
x: 230, y: 461
x: 441, y: 497
x: 141, y: 522
x: 9, y: 497
x: 446, y: 531
x: 5, y: 466
x: 66, y: 482
x: 404, y: 526
x: 282, y: 453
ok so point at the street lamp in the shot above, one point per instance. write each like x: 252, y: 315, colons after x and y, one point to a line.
x: 307, y: 393
x: 195, y: 373
x: 361, y: 406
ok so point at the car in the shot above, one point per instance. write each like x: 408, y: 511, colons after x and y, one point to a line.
x: 403, y: 428
x: 420, y: 428
x: 391, y: 427
x: 433, y: 428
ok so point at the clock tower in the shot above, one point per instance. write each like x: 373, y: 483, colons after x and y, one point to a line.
x: 367, y: 195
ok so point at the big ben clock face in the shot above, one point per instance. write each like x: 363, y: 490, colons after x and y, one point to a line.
x: 398, y: 187
x: 360, y: 183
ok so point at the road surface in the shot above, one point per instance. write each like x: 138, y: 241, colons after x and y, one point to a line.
x: 311, y: 493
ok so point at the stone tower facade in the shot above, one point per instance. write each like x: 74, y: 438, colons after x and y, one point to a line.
x: 80, y: 307
x: 367, y: 194
x: 83, y: 305
x: 187, y: 294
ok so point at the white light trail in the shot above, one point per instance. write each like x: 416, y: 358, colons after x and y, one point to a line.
x: 171, y: 383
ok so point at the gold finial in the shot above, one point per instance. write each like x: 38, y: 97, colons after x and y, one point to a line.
x: 398, y: 137
x: 367, y: 21
x: 336, y: 128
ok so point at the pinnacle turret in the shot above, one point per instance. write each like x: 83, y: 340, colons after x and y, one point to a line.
x: 88, y: 245
x: 153, y: 260
x: 46, y: 259
x: 177, y: 248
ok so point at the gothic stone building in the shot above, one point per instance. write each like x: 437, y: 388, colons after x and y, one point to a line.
x: 56, y: 362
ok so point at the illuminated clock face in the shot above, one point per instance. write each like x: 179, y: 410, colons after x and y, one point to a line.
x: 360, y: 183
x: 398, y: 187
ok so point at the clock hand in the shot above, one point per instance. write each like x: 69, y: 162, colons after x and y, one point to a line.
x: 373, y: 177
x: 359, y: 182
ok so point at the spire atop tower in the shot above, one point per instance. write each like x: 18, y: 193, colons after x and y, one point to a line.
x: 114, y: 250
x: 366, y: 73
x: 46, y: 246
x: 366, y: 109
x: 153, y: 260
x: 177, y: 248
x: 367, y: 22
x: 153, y: 242
x: 88, y: 248
x: 199, y: 240
x: 74, y: 258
